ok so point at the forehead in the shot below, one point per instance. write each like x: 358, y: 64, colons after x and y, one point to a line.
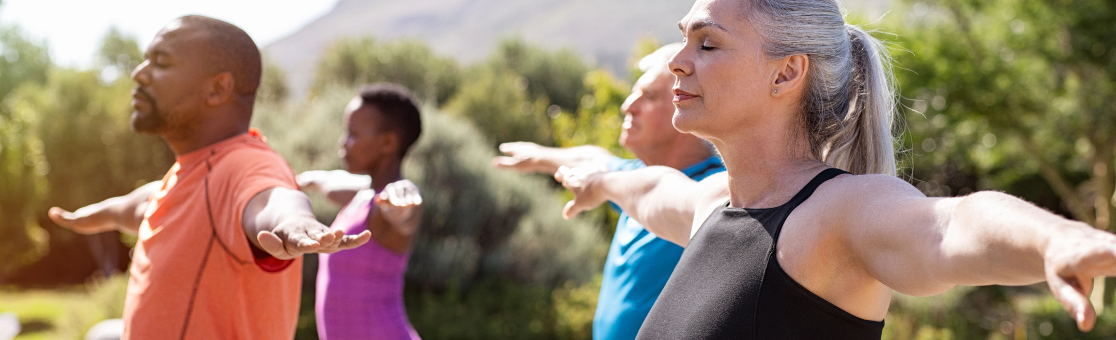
x: 178, y: 38
x: 656, y: 77
x: 364, y: 114
x: 716, y: 13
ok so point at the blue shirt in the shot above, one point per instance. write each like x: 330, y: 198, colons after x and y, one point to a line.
x: 638, y: 265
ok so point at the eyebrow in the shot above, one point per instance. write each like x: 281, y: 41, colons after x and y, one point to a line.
x: 698, y: 25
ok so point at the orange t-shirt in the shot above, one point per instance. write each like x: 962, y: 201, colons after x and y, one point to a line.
x: 193, y: 275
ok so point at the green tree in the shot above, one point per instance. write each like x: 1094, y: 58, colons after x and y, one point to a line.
x: 273, y: 84
x: 557, y: 75
x: 21, y: 60
x: 497, y: 102
x: 1015, y: 90
x: 352, y: 62
x: 22, y: 163
x: 119, y: 51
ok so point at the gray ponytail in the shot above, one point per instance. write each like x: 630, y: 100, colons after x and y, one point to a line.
x: 849, y: 101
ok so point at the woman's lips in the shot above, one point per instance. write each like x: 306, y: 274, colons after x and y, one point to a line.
x: 681, y: 96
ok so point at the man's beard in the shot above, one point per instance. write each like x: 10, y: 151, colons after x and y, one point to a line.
x: 149, y: 122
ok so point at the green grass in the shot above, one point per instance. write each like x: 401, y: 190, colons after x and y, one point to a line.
x: 64, y: 313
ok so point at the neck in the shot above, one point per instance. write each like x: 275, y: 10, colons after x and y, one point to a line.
x: 186, y: 143
x: 766, y: 166
x: 386, y: 172
x: 211, y: 128
x: 682, y: 153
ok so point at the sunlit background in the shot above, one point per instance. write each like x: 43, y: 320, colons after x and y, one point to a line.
x: 1009, y: 95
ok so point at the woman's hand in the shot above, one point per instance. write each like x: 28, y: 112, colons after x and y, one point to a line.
x: 1072, y: 260
x: 400, y: 204
x: 583, y: 182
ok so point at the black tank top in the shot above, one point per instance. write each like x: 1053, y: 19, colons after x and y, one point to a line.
x: 728, y: 285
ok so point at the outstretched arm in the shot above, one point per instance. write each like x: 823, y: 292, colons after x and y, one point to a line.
x: 280, y: 222
x: 338, y: 186
x: 533, y: 158
x: 123, y: 213
x: 663, y: 199
x: 397, y: 216
x: 920, y: 246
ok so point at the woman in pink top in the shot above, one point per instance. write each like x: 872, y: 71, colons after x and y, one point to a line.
x: 360, y: 291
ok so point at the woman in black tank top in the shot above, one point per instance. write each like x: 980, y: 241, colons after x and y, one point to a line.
x: 784, y: 245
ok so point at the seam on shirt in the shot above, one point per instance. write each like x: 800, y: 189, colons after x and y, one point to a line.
x: 209, y: 211
x: 197, y: 284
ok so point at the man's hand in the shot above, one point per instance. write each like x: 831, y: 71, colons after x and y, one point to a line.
x: 582, y: 182
x: 400, y: 204
x: 284, y: 226
x: 90, y: 219
x: 526, y: 157
x: 1072, y: 260
x: 297, y: 236
x: 124, y: 213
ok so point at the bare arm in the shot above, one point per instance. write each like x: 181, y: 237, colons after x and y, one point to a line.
x: 123, y: 213
x: 663, y: 199
x: 338, y: 186
x: 397, y: 216
x: 921, y: 246
x: 533, y: 158
x: 280, y: 222
x: 400, y: 207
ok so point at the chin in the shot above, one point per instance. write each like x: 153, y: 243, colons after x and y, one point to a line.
x: 146, y: 123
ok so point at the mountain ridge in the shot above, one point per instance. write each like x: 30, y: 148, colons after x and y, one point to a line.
x: 601, y: 31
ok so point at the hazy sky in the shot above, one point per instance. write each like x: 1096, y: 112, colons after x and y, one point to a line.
x: 73, y: 28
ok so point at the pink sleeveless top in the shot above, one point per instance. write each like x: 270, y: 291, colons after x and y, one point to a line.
x: 360, y: 291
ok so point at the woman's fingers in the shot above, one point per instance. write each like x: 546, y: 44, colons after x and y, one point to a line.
x: 1074, y: 296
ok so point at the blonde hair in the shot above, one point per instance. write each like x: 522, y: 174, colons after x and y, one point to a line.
x: 848, y: 105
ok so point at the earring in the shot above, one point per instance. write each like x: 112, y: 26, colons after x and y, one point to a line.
x: 775, y: 91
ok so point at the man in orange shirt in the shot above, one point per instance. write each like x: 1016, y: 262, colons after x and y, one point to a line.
x: 220, y: 237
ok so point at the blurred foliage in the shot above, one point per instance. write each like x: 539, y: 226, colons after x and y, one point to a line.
x: 355, y: 61
x: 990, y: 312
x: 497, y: 102
x: 65, y: 313
x: 1011, y: 90
x: 61, y: 131
x: 120, y: 52
x: 22, y: 164
x: 1001, y: 93
x: 273, y: 84
x: 498, y: 309
x: 21, y: 60
x: 555, y: 75
x: 598, y: 120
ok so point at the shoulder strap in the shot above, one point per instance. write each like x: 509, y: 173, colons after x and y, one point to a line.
x: 808, y: 190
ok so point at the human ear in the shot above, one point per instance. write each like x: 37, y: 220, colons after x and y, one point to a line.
x: 389, y: 143
x: 791, y: 74
x: 220, y: 89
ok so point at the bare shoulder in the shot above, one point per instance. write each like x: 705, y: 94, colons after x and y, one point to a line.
x: 854, y: 200
x: 851, y: 190
x: 709, y: 194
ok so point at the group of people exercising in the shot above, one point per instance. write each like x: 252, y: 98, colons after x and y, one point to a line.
x: 764, y: 203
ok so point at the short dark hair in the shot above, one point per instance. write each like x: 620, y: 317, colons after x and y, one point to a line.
x: 230, y: 49
x: 398, y: 109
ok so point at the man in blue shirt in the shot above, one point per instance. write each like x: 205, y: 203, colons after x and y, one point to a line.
x: 639, y: 263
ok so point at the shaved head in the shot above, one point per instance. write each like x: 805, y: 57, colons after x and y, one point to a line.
x: 228, y: 48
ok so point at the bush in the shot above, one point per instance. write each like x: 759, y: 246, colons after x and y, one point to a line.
x: 352, y: 62
x: 496, y: 101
